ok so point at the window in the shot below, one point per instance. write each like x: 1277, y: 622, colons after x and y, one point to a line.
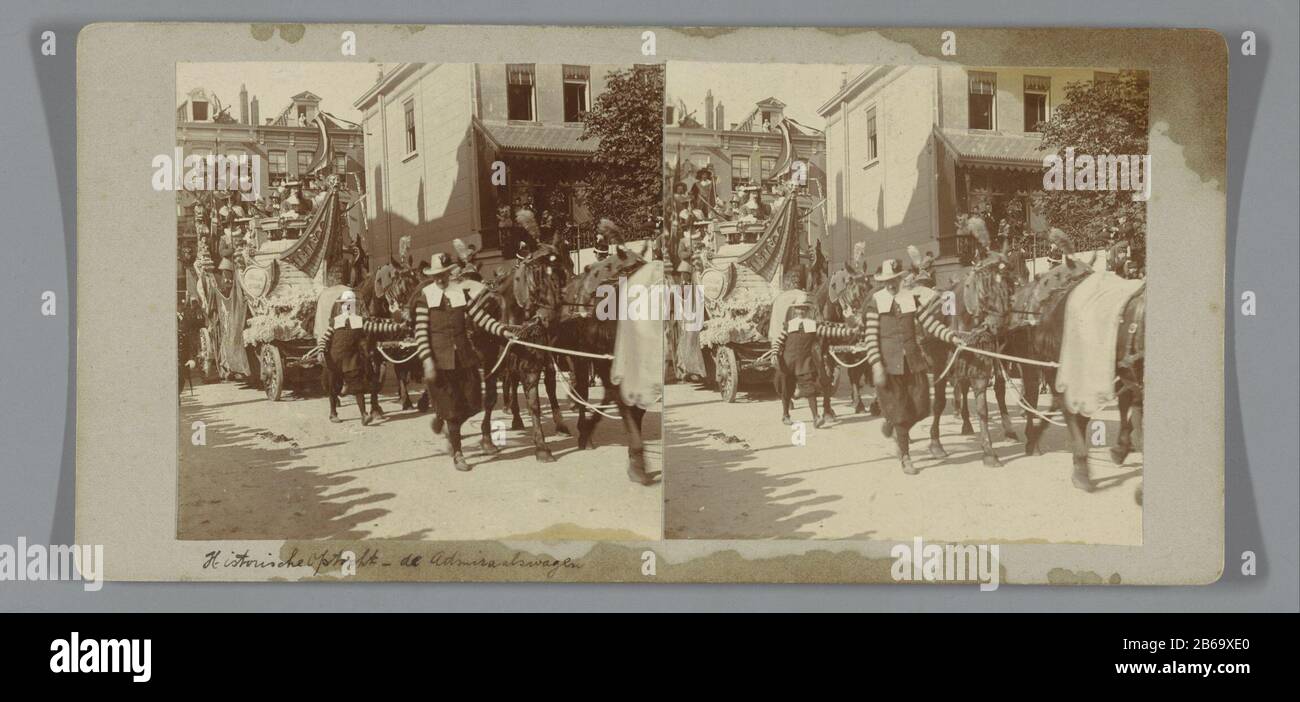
x: 408, y: 110
x: 668, y: 115
x: 199, y: 110
x: 340, y: 162
x: 740, y: 168
x: 767, y: 164
x: 577, y: 81
x: 983, y: 90
x: 304, y: 162
x: 1037, y: 90
x: 278, y: 166
x: 873, y: 146
x: 520, y: 79
x: 203, y: 167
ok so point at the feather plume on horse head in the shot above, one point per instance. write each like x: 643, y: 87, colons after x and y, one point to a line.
x: 914, y: 254
x: 608, y: 229
x: 976, y: 227
x: 1060, y: 240
x: 1062, y: 243
x: 465, y: 260
x: 464, y: 252
x: 526, y: 219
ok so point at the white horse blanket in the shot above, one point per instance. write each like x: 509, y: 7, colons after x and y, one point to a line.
x: 638, y: 367
x: 1086, y: 378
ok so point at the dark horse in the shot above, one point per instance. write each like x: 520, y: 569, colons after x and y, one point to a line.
x: 383, y: 294
x: 839, y: 300
x: 529, y: 297
x: 1039, y: 327
x: 979, y: 307
x: 579, y: 328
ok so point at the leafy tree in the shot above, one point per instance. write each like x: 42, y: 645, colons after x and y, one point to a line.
x: 625, y: 180
x: 1096, y: 118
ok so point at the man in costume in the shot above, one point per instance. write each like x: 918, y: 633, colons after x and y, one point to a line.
x: 703, y: 193
x: 344, y: 347
x: 797, y: 350
x: 443, y: 311
x: 898, y: 366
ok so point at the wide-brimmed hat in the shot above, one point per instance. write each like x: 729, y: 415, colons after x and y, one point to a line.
x: 890, y: 269
x: 440, y: 263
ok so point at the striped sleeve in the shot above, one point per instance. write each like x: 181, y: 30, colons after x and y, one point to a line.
x: 872, y: 319
x: 422, y: 331
x: 934, y: 326
x: 324, y: 341
x: 778, y: 344
x: 836, y: 333
x: 383, y: 328
x: 479, y: 316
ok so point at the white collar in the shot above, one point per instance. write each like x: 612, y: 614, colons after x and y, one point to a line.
x: 341, y: 321
x: 459, y: 293
x: 885, y: 301
x: 801, y: 324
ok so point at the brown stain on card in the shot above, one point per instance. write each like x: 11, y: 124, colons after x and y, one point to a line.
x: 291, y: 33
x: 703, y: 32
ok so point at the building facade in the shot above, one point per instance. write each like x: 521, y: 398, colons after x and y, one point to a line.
x: 909, y: 148
x: 740, y: 154
x: 454, y: 150
x: 285, y: 143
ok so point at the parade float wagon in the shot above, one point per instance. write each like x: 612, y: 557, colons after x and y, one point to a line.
x: 269, y: 296
x: 284, y: 286
x: 744, y: 293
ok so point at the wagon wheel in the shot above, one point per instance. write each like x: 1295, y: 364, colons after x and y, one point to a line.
x: 272, y: 365
x: 727, y: 372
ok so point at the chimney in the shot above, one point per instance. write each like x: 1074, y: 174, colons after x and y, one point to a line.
x: 708, y: 110
x: 844, y: 79
x: 253, y: 107
x: 243, y: 104
x: 718, y: 116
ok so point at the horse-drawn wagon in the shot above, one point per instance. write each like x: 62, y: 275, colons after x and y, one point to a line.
x: 747, y: 288
x: 284, y: 284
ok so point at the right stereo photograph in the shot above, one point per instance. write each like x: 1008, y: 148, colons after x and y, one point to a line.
x: 924, y: 295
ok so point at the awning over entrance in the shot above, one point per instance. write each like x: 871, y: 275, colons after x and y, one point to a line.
x: 993, y: 150
x: 536, y: 139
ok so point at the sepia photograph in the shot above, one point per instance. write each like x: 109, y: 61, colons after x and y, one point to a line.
x: 386, y: 294
x: 579, y: 304
x: 924, y: 289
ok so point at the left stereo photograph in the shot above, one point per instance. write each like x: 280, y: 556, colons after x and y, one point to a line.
x: 389, y: 281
